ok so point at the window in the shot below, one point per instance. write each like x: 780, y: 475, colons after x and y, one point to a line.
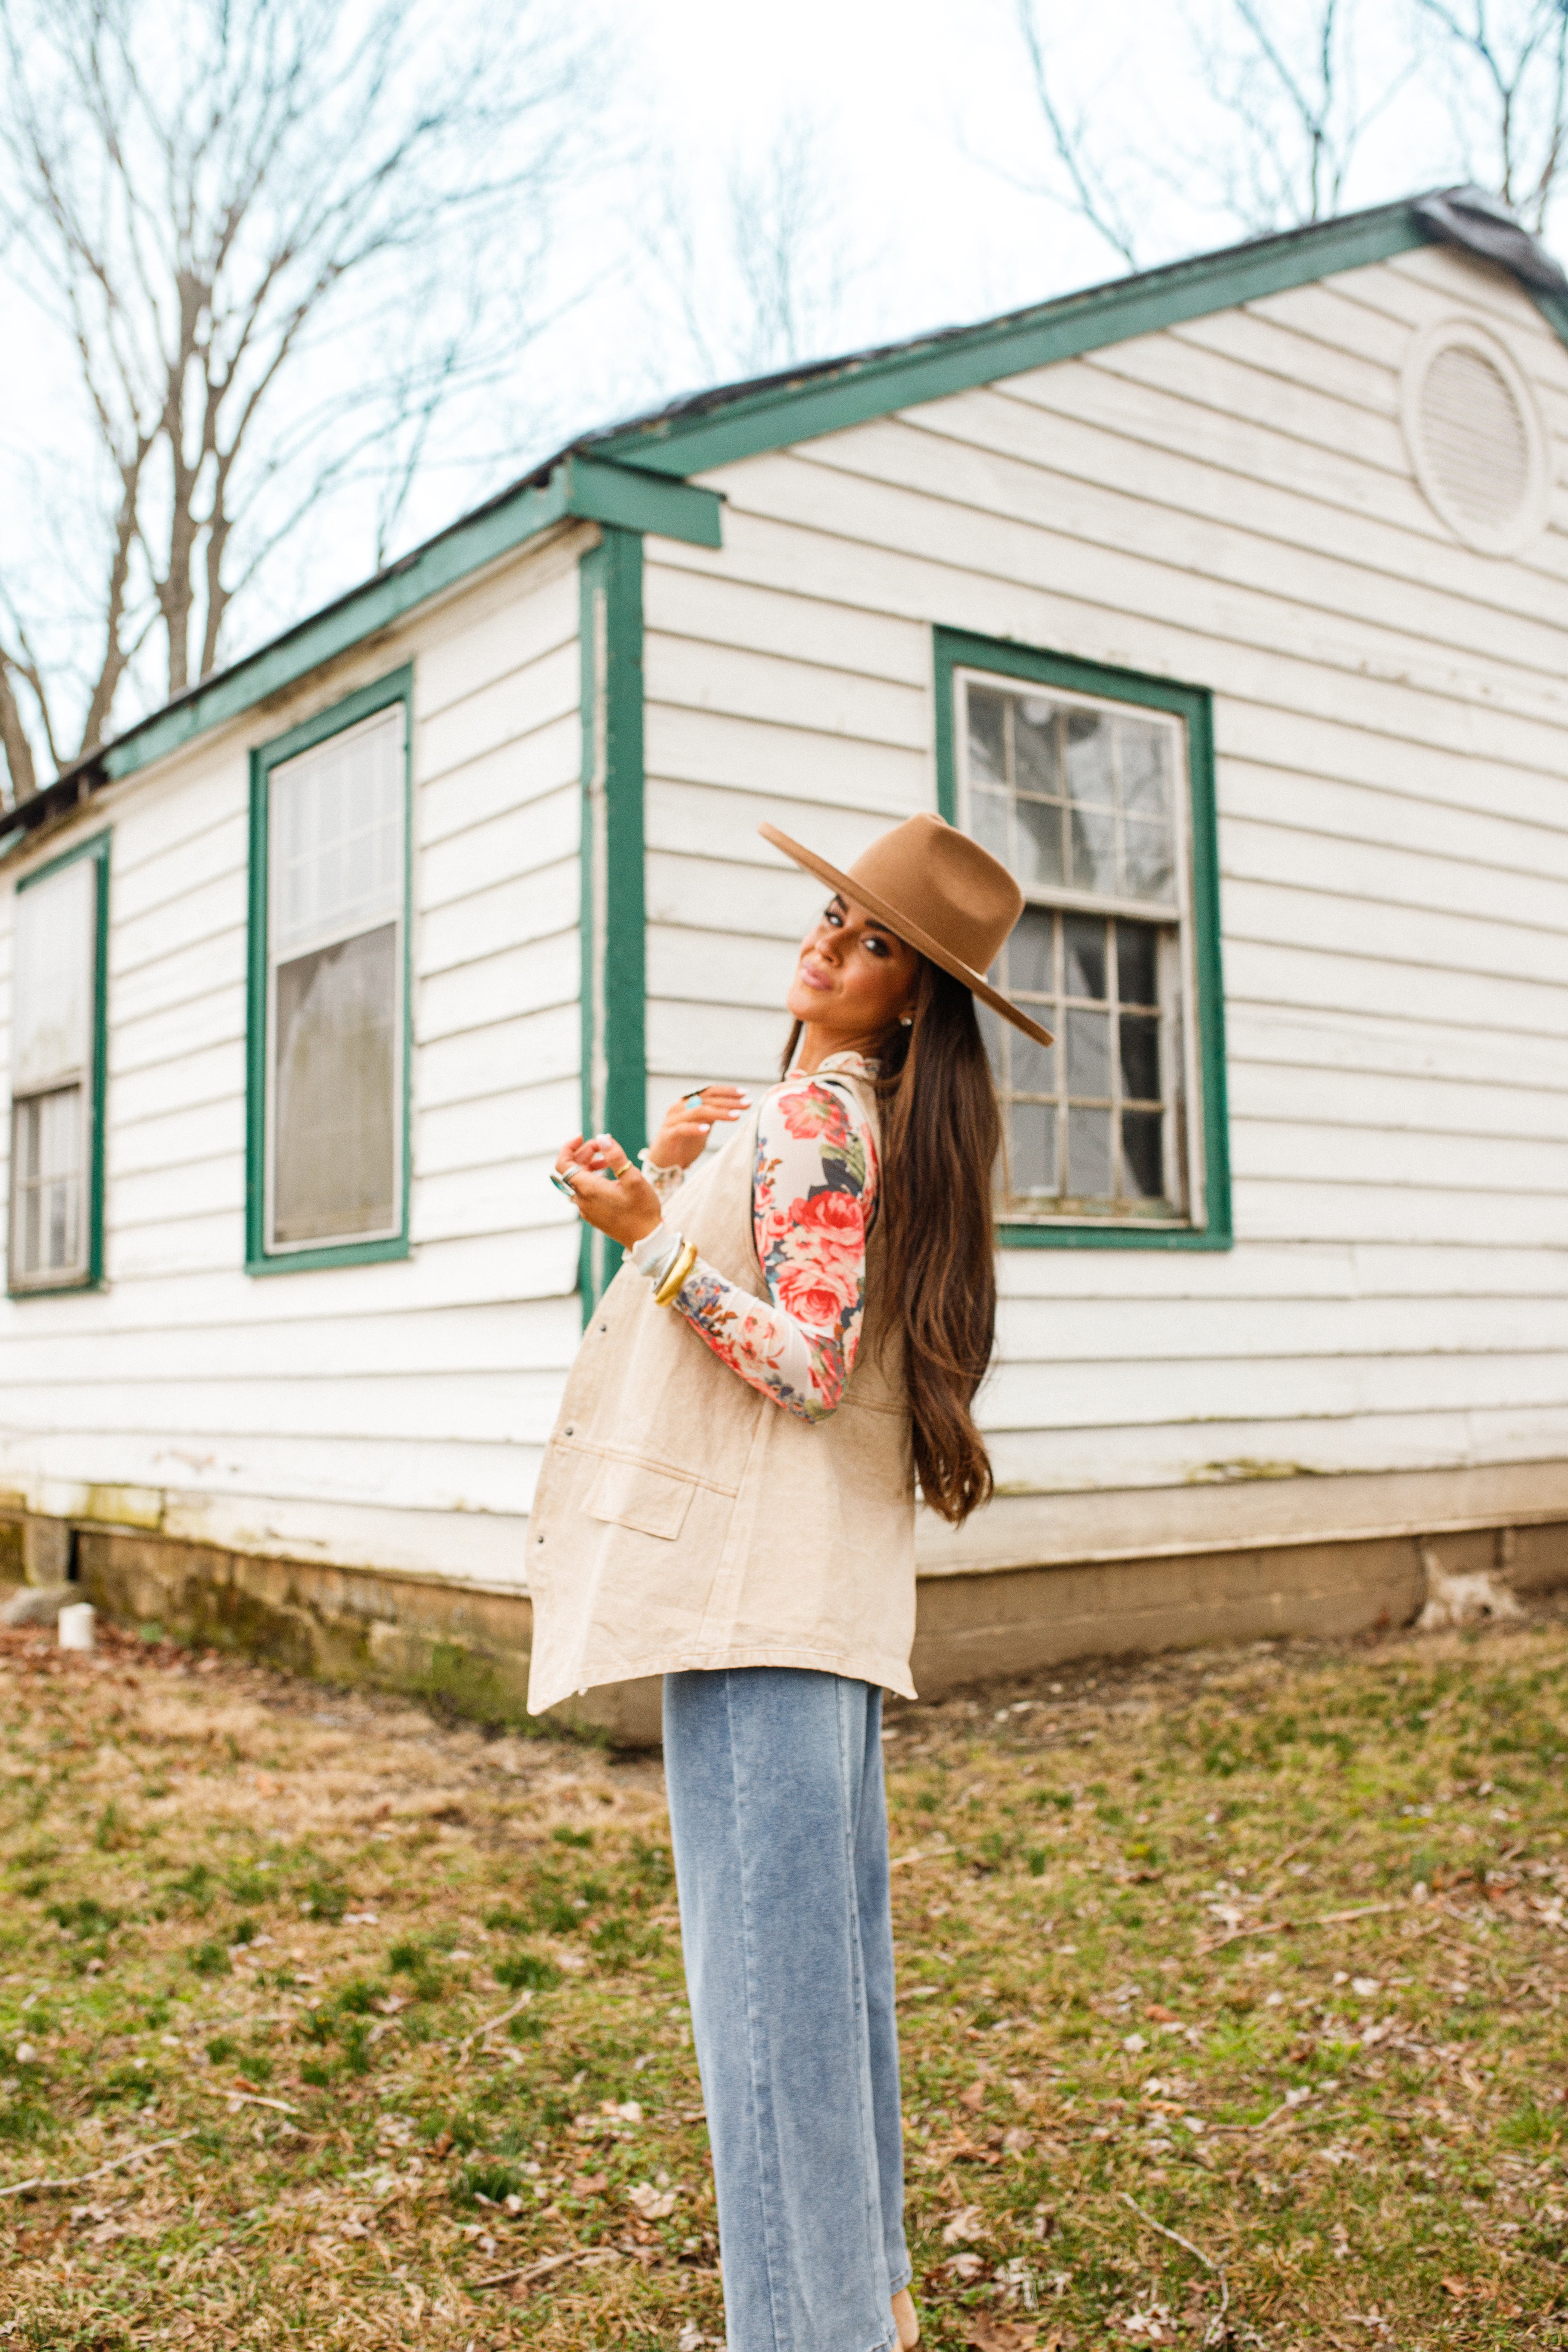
x: 57, y: 1073
x: 329, y: 987
x: 1093, y: 788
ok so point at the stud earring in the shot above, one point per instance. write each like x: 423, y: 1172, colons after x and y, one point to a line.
x: 905, y: 1020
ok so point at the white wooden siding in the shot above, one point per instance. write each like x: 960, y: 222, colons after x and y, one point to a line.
x: 1230, y: 504
x: 386, y: 1413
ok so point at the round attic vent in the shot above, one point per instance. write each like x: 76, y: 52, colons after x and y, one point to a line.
x: 1477, y: 438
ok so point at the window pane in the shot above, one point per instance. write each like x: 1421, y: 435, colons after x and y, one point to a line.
x: 1093, y: 852
x: 1033, y: 1068
x: 1084, y: 938
x: 57, y: 957
x: 1141, y: 1056
x: 1039, y: 842
x: 1034, y: 1153
x: 987, y: 737
x: 1137, y: 967
x: 1089, y: 756
x: 46, y: 1141
x: 1142, y: 1155
x: 336, y: 816
x: 1034, y: 747
x: 1148, y: 848
x: 991, y: 1033
x: 1029, y: 955
x: 334, y: 1091
x: 1079, y: 796
x: 988, y: 818
x: 1088, y: 1054
x: 1145, y: 767
x: 1089, y: 1154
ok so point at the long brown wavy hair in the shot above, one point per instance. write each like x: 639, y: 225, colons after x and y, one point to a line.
x: 941, y: 1133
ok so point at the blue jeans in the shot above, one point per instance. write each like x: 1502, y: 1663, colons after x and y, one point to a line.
x: 780, y: 1828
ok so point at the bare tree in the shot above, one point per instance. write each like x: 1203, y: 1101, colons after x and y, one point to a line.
x: 757, y: 272
x: 279, y: 237
x: 1287, y: 79
x: 1506, y: 62
x: 789, y: 246
x: 1279, y: 84
x: 1098, y: 192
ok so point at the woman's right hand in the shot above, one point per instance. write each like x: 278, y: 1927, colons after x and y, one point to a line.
x: 686, y: 1123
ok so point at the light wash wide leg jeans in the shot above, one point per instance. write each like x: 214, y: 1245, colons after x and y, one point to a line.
x: 780, y: 1828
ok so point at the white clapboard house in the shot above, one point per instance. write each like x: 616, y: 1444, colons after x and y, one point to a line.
x: 1228, y: 603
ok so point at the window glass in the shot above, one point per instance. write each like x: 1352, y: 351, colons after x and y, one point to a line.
x: 47, y: 1139
x: 1079, y: 797
x: 334, y: 1087
x: 56, y: 963
x: 54, y: 996
x: 336, y: 823
x: 336, y: 886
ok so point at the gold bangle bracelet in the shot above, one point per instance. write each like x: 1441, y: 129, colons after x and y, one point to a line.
x: 677, y: 1276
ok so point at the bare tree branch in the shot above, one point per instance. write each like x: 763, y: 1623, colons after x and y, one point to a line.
x: 195, y: 190
x: 759, y: 275
x: 14, y: 742
x: 1507, y: 70
x: 1092, y: 196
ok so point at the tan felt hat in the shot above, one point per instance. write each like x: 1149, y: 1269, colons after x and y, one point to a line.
x: 941, y: 892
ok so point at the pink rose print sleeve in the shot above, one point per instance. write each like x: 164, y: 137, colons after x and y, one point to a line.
x: 814, y: 1191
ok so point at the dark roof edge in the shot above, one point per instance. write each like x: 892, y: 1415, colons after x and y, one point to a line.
x: 717, y: 427
x: 571, y: 485
x: 631, y: 474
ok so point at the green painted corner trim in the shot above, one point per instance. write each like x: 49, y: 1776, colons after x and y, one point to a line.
x: 799, y: 409
x: 955, y: 649
x: 98, y: 848
x: 397, y: 686
x: 614, y: 905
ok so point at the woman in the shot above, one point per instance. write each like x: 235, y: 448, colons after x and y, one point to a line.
x: 728, y: 1500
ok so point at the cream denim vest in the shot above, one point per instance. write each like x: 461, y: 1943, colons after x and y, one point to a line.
x: 683, y: 1520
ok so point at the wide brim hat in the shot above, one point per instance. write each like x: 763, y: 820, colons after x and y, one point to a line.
x: 940, y: 892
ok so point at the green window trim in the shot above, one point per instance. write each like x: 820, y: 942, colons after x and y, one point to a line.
x: 613, y: 902
x: 397, y: 687
x: 956, y: 650
x: 97, y: 849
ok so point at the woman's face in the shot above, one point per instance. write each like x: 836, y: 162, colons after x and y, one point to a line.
x: 854, y: 976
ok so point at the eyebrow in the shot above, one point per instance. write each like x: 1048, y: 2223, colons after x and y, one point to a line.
x: 883, y: 930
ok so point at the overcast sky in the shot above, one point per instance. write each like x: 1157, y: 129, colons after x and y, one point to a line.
x: 930, y: 197
x: 930, y: 135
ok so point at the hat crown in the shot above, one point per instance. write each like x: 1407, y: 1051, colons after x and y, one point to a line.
x: 944, y: 883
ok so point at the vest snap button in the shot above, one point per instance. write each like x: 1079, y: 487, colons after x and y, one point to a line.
x: 567, y: 1430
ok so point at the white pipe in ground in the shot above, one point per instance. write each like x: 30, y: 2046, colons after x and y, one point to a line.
x: 75, y: 1626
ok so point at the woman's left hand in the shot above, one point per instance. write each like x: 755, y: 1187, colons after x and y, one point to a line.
x: 622, y: 1204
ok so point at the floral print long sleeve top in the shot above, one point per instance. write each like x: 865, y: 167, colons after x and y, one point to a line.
x: 814, y: 1194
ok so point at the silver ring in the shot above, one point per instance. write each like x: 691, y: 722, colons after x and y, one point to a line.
x: 692, y: 1101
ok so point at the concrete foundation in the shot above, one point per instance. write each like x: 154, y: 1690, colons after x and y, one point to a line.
x: 467, y: 1648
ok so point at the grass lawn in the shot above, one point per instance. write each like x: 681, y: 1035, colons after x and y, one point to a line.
x: 1231, y: 1990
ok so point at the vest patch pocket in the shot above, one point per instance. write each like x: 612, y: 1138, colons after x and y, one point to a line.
x: 630, y: 1494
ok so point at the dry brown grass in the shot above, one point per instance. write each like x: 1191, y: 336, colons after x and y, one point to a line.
x: 1231, y: 1985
